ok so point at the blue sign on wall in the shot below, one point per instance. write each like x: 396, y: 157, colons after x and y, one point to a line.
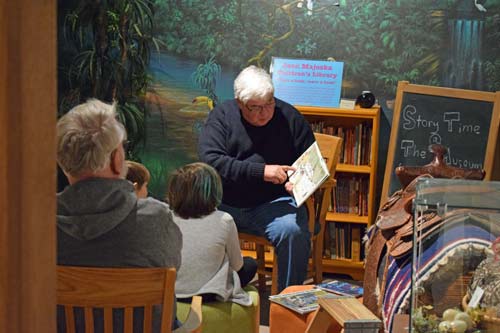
x: 307, y: 82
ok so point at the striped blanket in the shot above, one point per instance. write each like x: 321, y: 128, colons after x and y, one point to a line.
x: 450, y: 251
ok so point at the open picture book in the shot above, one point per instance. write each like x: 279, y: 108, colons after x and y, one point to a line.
x: 302, y: 301
x: 310, y: 172
x: 341, y: 288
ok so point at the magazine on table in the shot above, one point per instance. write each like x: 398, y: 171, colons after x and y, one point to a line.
x: 301, y: 301
x: 310, y: 172
x: 341, y: 288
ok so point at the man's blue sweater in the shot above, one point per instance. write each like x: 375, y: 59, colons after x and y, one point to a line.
x: 239, y: 151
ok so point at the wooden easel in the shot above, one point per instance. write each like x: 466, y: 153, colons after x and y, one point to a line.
x: 348, y: 312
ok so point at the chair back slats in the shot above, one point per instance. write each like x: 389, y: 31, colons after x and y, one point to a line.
x: 108, y: 320
x: 148, y: 319
x: 166, y: 322
x: 129, y: 320
x: 116, y: 288
x: 89, y: 319
x: 70, y: 319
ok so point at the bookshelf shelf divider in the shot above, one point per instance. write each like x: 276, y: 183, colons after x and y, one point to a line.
x: 352, y: 209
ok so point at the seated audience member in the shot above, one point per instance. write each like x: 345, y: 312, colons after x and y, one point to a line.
x: 212, y: 265
x: 139, y: 175
x: 100, y: 221
x: 251, y: 141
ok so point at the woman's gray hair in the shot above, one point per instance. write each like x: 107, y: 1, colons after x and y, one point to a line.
x: 253, y: 83
x: 86, y: 137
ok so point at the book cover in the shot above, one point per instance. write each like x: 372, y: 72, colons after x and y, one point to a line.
x: 356, y: 243
x: 301, y: 301
x: 310, y: 172
x: 341, y: 288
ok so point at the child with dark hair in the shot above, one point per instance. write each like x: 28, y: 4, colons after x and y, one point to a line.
x: 212, y: 265
x: 139, y: 175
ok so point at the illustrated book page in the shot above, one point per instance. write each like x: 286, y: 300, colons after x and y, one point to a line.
x: 310, y: 172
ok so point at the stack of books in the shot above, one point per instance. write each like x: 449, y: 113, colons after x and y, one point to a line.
x: 307, y: 300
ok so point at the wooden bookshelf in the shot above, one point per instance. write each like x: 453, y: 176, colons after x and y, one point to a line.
x: 347, y: 224
x: 359, y: 129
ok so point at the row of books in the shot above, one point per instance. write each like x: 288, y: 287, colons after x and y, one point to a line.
x: 350, y: 196
x: 344, y: 241
x: 356, y: 141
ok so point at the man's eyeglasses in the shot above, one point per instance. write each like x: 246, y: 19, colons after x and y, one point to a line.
x: 258, y: 108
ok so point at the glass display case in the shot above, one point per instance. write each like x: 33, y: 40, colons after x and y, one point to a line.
x: 456, y: 257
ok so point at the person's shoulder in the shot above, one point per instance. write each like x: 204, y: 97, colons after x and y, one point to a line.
x: 223, y: 217
x: 283, y: 105
x: 228, y: 103
x: 224, y: 112
x: 225, y: 107
x: 151, y: 207
x: 287, y: 109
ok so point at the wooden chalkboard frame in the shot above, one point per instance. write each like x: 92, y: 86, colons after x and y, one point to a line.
x: 472, y: 95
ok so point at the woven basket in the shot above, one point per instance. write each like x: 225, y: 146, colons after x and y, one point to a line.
x: 490, y: 323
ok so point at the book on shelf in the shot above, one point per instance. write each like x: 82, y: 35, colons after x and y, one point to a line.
x: 333, y: 240
x: 310, y: 172
x: 341, y: 288
x: 356, y: 243
x: 301, y: 301
x: 350, y: 196
x: 356, y: 141
x: 344, y: 241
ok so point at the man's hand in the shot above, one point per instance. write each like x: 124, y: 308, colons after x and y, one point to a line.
x: 276, y: 174
x: 289, y: 187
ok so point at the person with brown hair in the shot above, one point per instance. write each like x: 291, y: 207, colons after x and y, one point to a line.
x: 139, y: 175
x: 212, y: 264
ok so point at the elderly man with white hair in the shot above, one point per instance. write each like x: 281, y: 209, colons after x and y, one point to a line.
x: 100, y: 220
x: 251, y: 141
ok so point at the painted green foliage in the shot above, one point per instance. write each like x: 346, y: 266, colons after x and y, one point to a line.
x: 104, y: 53
x: 381, y: 42
x: 105, y: 45
x: 206, y: 76
x: 492, y: 57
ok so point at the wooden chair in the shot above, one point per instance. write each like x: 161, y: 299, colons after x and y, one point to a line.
x: 126, y: 288
x: 317, y: 207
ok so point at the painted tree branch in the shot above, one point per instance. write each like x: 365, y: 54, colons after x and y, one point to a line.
x: 287, y: 9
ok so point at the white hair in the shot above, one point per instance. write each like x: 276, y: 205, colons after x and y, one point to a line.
x: 86, y: 137
x: 253, y: 83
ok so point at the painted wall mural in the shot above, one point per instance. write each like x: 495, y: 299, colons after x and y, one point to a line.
x: 175, y: 59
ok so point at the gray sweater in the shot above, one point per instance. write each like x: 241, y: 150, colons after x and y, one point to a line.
x: 211, y: 257
x: 101, y: 223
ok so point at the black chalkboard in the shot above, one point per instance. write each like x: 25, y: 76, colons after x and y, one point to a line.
x: 464, y: 121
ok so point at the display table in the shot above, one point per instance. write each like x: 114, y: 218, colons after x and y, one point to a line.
x: 282, y: 319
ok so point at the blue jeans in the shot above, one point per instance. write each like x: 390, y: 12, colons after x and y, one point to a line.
x: 285, y: 226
